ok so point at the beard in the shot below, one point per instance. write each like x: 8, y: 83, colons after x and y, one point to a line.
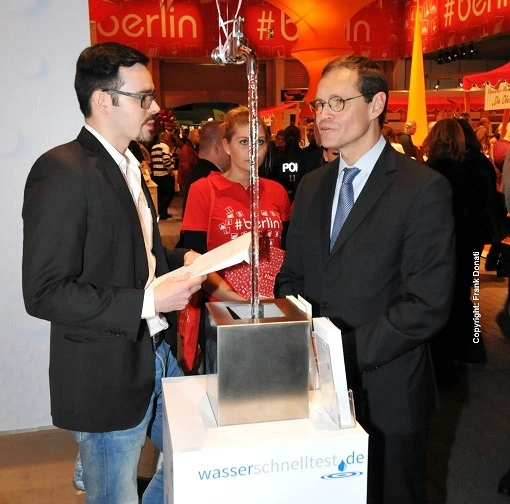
x: 145, y: 134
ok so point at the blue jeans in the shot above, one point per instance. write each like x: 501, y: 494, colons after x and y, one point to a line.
x: 110, y: 459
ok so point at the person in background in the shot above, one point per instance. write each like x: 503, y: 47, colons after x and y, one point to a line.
x: 184, y: 136
x: 498, y: 256
x: 388, y: 133
x: 310, y: 136
x: 162, y: 174
x: 313, y: 154
x: 173, y: 135
x: 279, y: 140
x: 291, y: 165
x: 188, y: 159
x: 111, y: 329
x: 384, y: 278
x: 211, y: 154
x: 503, y: 317
x: 174, y: 144
x: 218, y: 210
x: 499, y: 150
x: 473, y: 186
x: 405, y: 139
x: 273, y: 159
x: 484, y: 133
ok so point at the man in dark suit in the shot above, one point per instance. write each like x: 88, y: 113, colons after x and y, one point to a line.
x: 91, y: 250
x: 386, y: 281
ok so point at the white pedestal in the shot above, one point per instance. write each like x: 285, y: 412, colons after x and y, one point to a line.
x: 298, y: 461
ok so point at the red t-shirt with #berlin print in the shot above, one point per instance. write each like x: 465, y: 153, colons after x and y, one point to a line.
x: 221, y: 208
x: 230, y: 216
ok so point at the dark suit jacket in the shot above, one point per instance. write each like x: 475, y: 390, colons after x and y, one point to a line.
x: 406, y: 141
x: 387, y: 283
x: 84, y: 270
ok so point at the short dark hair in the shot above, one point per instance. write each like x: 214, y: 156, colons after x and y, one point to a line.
x: 291, y: 135
x: 211, y: 133
x: 371, y: 77
x: 98, y: 68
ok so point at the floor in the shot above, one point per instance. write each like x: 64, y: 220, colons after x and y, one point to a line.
x: 469, y: 446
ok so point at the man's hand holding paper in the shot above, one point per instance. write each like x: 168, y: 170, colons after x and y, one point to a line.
x: 173, y: 293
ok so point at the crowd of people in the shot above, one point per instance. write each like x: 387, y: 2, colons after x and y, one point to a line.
x: 381, y: 242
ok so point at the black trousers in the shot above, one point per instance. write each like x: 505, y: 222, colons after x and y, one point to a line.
x: 166, y: 192
x: 397, y: 468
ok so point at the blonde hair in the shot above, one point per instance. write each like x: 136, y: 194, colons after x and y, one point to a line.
x: 240, y: 116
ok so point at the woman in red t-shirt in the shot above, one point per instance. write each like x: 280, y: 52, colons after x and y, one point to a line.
x: 218, y: 207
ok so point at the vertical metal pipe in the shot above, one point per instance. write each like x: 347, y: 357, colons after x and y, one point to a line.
x: 251, y: 70
x: 238, y: 52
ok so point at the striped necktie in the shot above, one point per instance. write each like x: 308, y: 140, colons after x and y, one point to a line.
x: 345, y: 203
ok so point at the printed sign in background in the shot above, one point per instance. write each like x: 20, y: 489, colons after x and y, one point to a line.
x: 293, y: 95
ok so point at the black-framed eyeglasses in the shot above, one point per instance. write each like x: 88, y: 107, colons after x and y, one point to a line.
x: 146, y: 99
x: 335, y: 103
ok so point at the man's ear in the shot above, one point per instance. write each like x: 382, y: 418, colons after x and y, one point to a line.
x: 100, y: 101
x: 377, y: 104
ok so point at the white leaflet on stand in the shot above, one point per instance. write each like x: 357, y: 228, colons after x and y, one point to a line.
x: 332, y: 377
x: 306, y: 308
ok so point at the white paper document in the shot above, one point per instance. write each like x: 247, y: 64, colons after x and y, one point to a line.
x: 333, y: 381
x: 228, y: 254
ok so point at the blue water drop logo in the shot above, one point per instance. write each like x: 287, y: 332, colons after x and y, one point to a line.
x: 343, y: 473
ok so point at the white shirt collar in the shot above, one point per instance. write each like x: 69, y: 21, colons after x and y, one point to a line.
x: 117, y: 156
x: 367, y: 161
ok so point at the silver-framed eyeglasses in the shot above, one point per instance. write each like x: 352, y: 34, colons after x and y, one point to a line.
x: 146, y: 99
x: 335, y: 103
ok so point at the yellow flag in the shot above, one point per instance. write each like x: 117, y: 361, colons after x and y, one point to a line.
x: 417, y: 107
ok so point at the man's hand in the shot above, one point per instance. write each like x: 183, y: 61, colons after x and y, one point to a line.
x: 174, y: 293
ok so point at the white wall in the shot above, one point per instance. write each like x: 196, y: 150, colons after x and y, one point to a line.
x: 40, y: 41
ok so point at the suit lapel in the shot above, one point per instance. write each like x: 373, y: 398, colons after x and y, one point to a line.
x: 327, y: 190
x: 115, y: 179
x: 378, y: 182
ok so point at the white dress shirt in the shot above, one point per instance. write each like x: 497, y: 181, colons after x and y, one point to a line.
x: 130, y: 169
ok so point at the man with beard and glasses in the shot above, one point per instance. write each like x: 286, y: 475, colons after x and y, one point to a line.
x: 91, y: 251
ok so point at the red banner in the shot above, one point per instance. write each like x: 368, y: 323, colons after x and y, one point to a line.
x: 448, y: 22
x: 383, y: 30
x: 191, y: 29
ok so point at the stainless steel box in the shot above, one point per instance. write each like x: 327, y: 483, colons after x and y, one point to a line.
x: 262, y: 363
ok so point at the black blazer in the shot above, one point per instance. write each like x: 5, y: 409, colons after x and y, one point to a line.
x: 387, y: 283
x: 84, y: 270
